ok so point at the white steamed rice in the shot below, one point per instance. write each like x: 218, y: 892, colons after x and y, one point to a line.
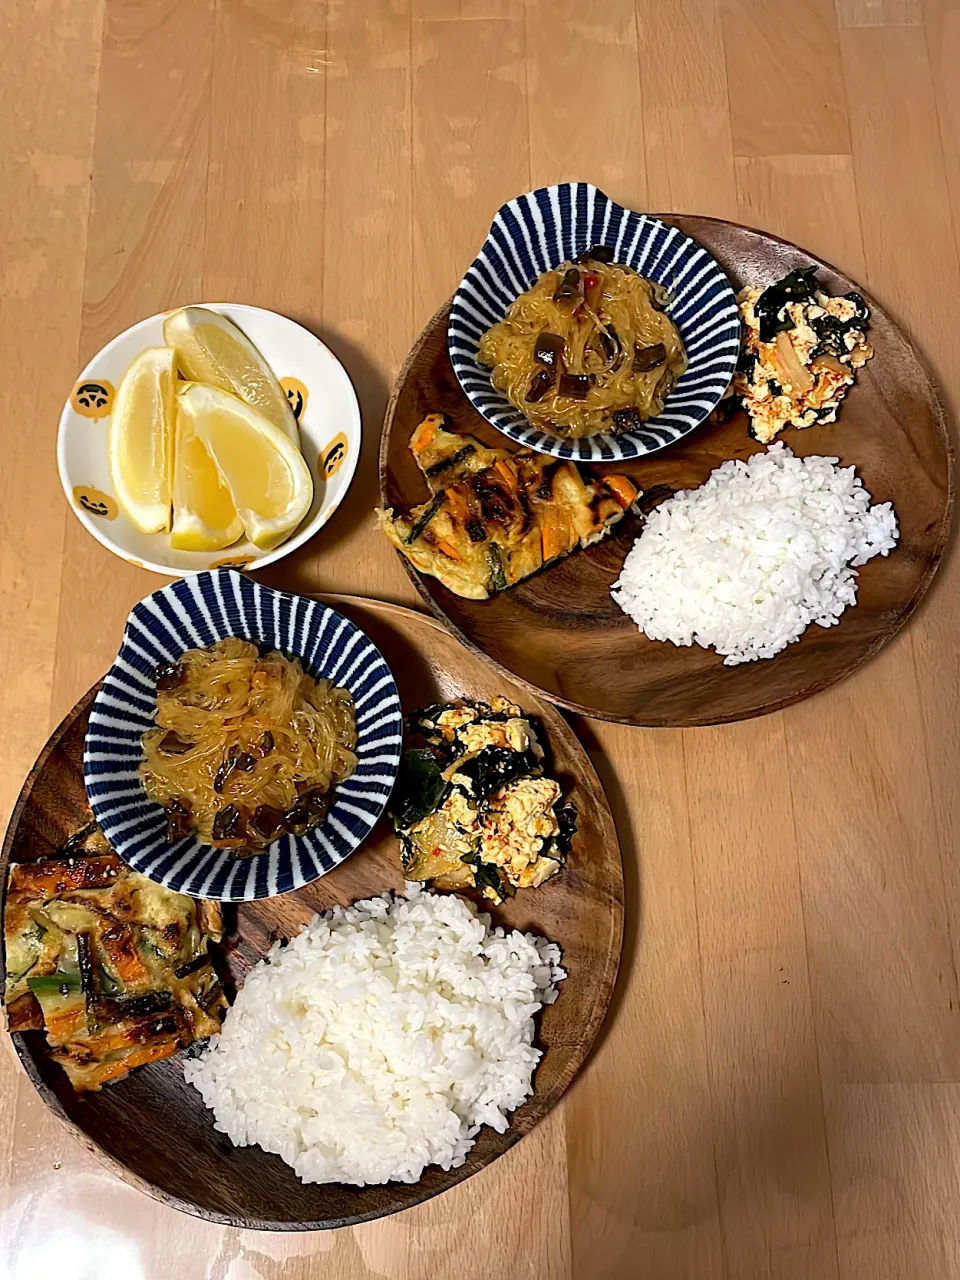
x: 746, y: 562
x: 380, y: 1039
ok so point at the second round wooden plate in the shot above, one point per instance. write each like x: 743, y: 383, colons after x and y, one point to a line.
x: 561, y: 632
x: 153, y: 1128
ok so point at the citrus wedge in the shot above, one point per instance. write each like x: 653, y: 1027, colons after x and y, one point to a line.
x: 269, y: 481
x: 141, y: 439
x: 204, y: 516
x: 213, y: 350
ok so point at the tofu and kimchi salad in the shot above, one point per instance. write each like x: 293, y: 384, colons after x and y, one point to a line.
x: 474, y: 807
x: 115, y: 968
x: 800, y: 352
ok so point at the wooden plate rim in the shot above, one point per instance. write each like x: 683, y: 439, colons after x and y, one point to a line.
x: 544, y: 1103
x: 871, y: 650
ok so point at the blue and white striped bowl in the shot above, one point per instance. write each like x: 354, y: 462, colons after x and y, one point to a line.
x: 194, y: 613
x: 538, y: 231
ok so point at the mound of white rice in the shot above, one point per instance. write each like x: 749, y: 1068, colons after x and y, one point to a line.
x: 380, y: 1039
x: 746, y: 562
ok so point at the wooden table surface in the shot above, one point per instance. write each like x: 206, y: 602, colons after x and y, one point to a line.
x: 778, y: 1090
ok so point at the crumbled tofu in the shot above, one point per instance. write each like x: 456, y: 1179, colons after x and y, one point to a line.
x: 520, y: 818
x: 502, y: 707
x: 511, y: 831
x: 537, y: 872
x: 802, y: 336
x: 842, y: 308
x: 455, y: 718
x: 514, y: 734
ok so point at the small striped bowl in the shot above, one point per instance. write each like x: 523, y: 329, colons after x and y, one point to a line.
x: 194, y: 613
x: 538, y: 231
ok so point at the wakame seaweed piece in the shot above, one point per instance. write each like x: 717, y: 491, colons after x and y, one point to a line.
x: 830, y: 330
x: 487, y: 876
x: 419, y: 790
x: 862, y: 317
x: 439, y: 467
x: 408, y: 850
x: 485, y: 713
x: 747, y: 363
x: 559, y: 845
x: 540, y: 384
x: 431, y: 713
x: 475, y: 530
x: 494, y: 767
x: 725, y: 410
x: 798, y: 286
x: 498, y: 578
x: 426, y: 516
x: 548, y: 348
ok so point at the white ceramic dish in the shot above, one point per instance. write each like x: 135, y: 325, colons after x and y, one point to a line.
x: 319, y: 390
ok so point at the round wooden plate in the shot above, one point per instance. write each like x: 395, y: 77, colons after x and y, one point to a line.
x: 560, y: 631
x: 153, y: 1128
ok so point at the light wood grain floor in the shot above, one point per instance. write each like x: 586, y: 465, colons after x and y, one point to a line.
x: 778, y: 1095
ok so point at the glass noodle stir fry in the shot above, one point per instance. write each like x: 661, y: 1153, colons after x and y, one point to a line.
x: 588, y: 349
x: 246, y: 747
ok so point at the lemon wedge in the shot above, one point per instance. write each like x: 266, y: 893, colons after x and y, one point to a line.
x: 204, y: 517
x: 269, y: 481
x: 211, y: 349
x: 141, y: 439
